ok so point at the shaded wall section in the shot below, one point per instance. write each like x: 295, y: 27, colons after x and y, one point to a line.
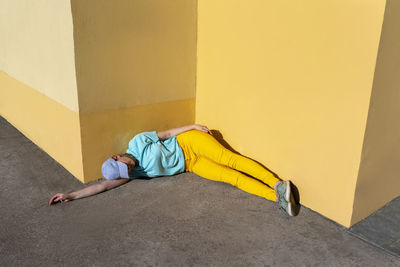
x: 288, y: 83
x: 378, y: 180
x: 135, y: 67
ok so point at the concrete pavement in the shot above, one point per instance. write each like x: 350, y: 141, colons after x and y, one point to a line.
x: 182, y: 220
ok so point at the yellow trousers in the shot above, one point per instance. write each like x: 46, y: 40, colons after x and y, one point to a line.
x: 206, y: 157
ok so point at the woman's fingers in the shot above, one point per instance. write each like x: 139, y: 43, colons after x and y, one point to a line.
x: 53, y: 199
x: 208, y: 130
x: 56, y: 198
x: 205, y: 129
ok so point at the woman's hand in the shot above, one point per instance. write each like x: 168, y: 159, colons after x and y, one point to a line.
x: 59, y: 197
x: 202, y: 128
x: 89, y: 190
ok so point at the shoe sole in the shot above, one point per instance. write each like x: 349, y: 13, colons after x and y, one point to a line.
x: 288, y: 198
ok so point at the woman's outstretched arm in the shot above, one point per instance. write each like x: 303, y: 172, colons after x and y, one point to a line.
x: 164, y: 135
x: 88, y: 191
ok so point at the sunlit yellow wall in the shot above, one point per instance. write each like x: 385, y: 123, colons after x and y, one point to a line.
x: 135, y: 67
x: 37, y: 48
x: 378, y: 181
x: 288, y: 83
x: 38, y: 92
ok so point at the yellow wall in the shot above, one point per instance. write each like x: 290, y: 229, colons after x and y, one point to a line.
x: 378, y: 181
x: 37, y: 47
x: 38, y: 92
x: 288, y: 83
x: 132, y: 64
x: 135, y: 67
x: 134, y: 52
x: 50, y: 125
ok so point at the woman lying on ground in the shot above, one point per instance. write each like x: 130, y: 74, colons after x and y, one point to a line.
x: 189, y: 148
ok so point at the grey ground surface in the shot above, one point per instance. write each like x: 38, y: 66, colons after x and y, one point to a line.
x: 170, y: 221
x: 382, y: 228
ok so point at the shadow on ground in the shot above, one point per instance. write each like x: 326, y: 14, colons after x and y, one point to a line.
x: 180, y: 220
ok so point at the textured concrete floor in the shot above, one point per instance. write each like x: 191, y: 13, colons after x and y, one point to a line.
x: 382, y: 228
x: 170, y: 221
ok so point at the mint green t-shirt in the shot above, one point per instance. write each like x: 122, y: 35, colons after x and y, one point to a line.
x: 156, y: 157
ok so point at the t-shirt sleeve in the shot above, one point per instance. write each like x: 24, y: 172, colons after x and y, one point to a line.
x: 140, y: 142
x: 147, y: 137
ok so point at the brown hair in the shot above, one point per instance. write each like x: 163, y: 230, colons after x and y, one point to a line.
x: 129, y: 156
